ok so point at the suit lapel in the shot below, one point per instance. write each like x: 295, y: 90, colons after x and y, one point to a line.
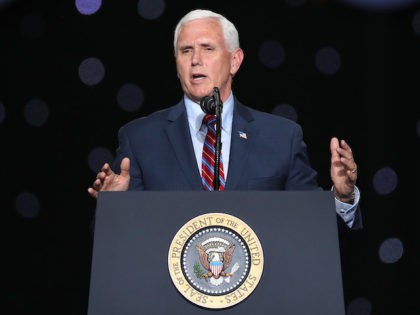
x: 242, y: 142
x: 179, y: 136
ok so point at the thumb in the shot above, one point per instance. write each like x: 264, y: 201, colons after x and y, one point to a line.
x: 125, y: 167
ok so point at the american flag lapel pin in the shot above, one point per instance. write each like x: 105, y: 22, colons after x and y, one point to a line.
x: 242, y: 135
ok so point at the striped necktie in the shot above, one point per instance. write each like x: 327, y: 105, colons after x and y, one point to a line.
x: 207, y: 168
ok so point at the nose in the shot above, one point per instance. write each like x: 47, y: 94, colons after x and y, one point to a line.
x: 196, y: 58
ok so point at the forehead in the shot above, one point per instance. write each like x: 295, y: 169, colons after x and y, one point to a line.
x: 207, y: 29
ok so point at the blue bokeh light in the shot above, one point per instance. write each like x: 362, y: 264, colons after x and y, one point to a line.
x: 150, y: 9
x: 130, y: 97
x: 27, y: 205
x: 271, y: 54
x: 391, y: 250
x: 91, y: 71
x: 385, y: 181
x: 88, y: 7
x: 36, y: 112
x: 327, y: 60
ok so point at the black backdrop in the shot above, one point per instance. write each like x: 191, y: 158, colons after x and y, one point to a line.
x: 371, y: 100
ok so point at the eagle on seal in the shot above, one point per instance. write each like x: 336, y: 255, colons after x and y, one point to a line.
x: 215, y: 259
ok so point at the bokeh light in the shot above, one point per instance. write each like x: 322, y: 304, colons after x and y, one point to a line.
x: 327, y: 60
x: 285, y: 110
x: 385, y: 181
x: 150, y: 9
x: 27, y: 205
x: 91, y: 71
x: 391, y: 250
x: 88, y: 7
x: 271, y: 54
x: 98, y: 157
x: 36, y: 112
x: 130, y: 97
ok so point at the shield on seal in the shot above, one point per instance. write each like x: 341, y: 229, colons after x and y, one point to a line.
x: 216, y: 267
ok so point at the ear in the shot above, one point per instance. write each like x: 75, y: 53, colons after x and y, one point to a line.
x: 237, y: 58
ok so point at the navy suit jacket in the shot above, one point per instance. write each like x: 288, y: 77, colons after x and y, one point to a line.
x: 273, y: 155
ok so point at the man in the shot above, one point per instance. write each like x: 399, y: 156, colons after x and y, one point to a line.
x: 260, y: 151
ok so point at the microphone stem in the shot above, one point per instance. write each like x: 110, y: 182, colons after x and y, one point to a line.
x: 218, y: 144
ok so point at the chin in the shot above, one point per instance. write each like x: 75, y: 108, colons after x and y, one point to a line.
x: 198, y: 96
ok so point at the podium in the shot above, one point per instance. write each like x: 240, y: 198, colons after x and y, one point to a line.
x: 297, y: 231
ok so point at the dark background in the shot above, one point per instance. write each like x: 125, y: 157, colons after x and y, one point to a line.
x: 371, y: 100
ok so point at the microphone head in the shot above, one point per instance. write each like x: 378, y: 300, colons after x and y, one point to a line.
x: 208, y: 105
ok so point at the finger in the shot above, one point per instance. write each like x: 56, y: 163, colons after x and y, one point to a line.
x: 344, y: 144
x: 93, y: 192
x: 344, y: 147
x: 348, y: 162
x: 125, y: 167
x: 106, y: 169
x: 333, y: 148
x: 345, y: 151
x: 97, y: 184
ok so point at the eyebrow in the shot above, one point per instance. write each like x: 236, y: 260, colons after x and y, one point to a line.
x: 203, y: 44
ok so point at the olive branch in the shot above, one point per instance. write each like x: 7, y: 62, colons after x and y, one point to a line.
x: 199, y: 273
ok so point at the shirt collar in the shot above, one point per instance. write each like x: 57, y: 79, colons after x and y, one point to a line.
x: 195, y: 114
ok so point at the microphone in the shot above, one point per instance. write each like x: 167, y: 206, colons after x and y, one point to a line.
x: 212, y: 105
x: 209, y: 103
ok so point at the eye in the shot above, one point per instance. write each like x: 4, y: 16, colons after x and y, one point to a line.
x: 186, y: 51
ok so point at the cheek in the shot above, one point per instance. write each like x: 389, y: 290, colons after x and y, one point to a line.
x: 181, y: 73
x: 181, y: 66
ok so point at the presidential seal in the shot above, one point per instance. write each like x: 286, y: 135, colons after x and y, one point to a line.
x: 215, y: 260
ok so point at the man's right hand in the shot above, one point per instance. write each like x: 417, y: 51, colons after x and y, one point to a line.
x: 107, y: 180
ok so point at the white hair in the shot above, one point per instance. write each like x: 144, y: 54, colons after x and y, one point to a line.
x: 230, y: 33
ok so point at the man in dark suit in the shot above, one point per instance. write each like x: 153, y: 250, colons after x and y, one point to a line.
x: 260, y: 151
